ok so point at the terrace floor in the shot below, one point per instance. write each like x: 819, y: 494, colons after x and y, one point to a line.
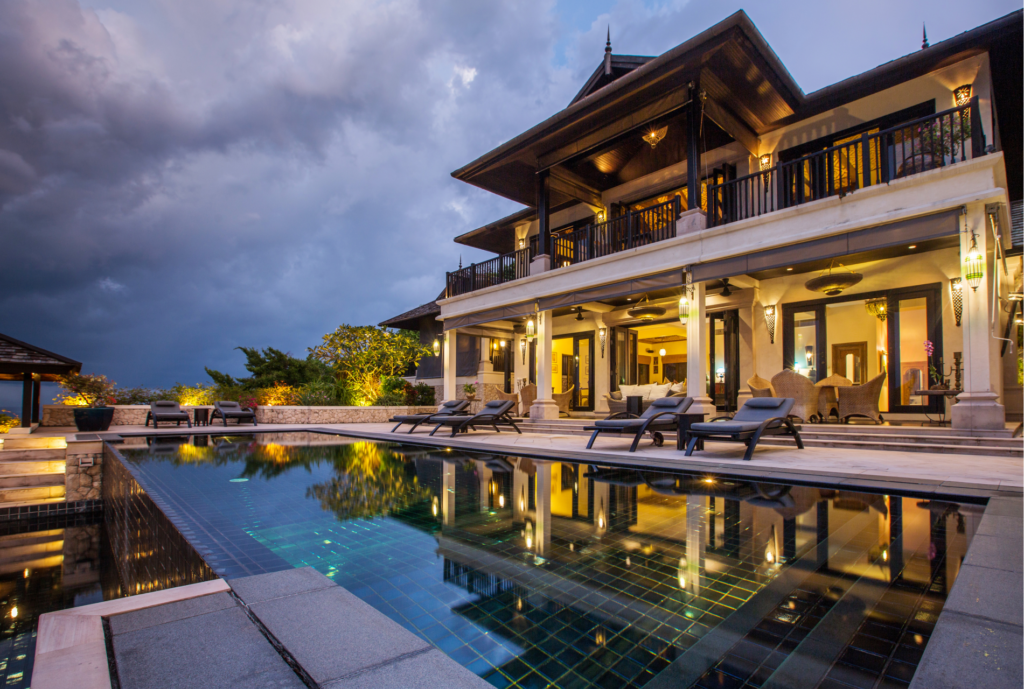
x: 919, y: 472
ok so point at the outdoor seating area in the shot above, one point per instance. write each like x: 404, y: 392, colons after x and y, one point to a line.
x: 835, y: 397
x: 449, y: 408
x: 232, y: 410
x: 495, y: 414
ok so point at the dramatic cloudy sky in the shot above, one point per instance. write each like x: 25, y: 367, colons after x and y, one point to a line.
x: 180, y: 177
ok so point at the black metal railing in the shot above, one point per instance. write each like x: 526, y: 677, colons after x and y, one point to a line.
x: 629, y: 231
x: 927, y: 143
x: 496, y: 271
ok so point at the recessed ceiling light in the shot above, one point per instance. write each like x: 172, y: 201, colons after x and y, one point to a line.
x: 789, y: 269
x: 912, y: 246
x: 629, y: 298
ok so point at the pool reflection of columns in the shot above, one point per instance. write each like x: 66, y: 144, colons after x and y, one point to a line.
x: 542, y: 522
x: 520, y: 500
x: 544, y: 407
x: 691, y: 567
x: 697, y: 353
x: 448, y: 493
x: 602, y: 506
x: 895, y: 538
x: 487, y: 493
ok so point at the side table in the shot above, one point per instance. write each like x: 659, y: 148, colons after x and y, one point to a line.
x: 200, y: 416
x: 684, y: 421
x: 635, y: 405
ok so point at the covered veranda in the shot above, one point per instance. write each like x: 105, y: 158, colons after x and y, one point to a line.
x: 21, y: 361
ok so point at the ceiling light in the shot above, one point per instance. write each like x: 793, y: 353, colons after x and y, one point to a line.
x: 877, y: 308
x: 789, y: 269
x: 912, y: 246
x: 661, y: 352
x: 833, y: 283
x: 646, y: 313
x: 579, y: 313
x: 654, y: 136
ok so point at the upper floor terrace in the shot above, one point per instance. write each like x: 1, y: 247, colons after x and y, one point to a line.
x: 718, y: 126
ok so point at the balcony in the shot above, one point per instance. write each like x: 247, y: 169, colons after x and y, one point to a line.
x: 928, y: 143
x: 629, y: 231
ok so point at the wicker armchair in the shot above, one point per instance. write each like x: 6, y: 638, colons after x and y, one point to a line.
x: 499, y: 394
x: 759, y: 387
x: 827, y: 400
x: 564, y: 400
x: 800, y: 388
x: 527, y: 396
x: 862, y: 400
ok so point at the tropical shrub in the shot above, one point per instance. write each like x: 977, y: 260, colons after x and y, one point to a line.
x: 270, y: 367
x: 424, y: 395
x: 78, y: 390
x: 390, y: 399
x: 364, y: 356
x: 137, y: 395
x: 8, y: 420
x: 278, y: 395
x: 193, y: 395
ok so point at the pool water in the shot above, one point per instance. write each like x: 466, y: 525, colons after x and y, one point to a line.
x: 536, y: 573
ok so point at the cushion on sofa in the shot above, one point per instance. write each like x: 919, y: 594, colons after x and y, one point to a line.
x: 658, y: 391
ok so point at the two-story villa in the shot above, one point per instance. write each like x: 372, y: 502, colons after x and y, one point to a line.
x: 696, y: 218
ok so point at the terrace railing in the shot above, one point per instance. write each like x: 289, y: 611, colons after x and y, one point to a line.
x: 496, y: 271
x: 935, y: 141
x: 629, y: 231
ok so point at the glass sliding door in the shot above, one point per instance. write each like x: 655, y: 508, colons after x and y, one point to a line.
x: 723, y: 359
x: 585, y: 372
x: 803, y: 340
x: 572, y: 368
x: 914, y: 317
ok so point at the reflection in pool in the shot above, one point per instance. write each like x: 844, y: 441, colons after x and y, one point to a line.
x: 536, y: 573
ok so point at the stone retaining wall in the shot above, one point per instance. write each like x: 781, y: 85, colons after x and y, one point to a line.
x: 82, y: 481
x: 135, y: 415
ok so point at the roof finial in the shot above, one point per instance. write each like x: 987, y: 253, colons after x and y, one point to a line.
x: 608, y: 53
x: 924, y: 36
x: 460, y: 261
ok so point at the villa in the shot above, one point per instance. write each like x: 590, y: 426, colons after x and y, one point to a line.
x: 696, y: 217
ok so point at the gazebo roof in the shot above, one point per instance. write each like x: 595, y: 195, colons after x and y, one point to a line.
x: 18, y: 358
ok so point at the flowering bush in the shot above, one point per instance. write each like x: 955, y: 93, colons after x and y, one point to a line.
x: 78, y: 390
x: 8, y: 420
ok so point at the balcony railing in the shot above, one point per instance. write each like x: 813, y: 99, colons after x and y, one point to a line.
x: 496, y: 271
x: 629, y: 231
x: 931, y: 142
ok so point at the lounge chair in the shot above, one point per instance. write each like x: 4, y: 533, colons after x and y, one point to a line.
x: 165, y: 410
x: 757, y: 417
x: 495, y: 413
x: 660, y: 416
x: 862, y: 400
x: 451, y: 407
x: 232, y: 410
x: 789, y: 384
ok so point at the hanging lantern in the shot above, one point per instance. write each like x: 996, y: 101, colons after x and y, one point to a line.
x: 531, y: 330
x: 956, y: 295
x: 437, y: 347
x: 684, y: 309
x: 877, y: 308
x: 974, y: 264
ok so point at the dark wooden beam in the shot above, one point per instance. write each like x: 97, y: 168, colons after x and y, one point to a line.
x: 574, y: 186
x: 732, y: 125
x: 26, y: 400
x: 544, y: 212
x: 693, y: 116
x: 36, y: 389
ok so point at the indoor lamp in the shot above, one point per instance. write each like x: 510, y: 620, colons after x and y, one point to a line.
x: 974, y: 264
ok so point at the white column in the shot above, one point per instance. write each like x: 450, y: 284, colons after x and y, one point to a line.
x: 544, y: 407
x: 697, y: 354
x: 977, y: 407
x: 449, y: 349
x: 485, y: 365
x: 542, y: 543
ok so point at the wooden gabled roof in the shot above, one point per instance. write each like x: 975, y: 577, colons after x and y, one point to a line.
x: 18, y: 358
x: 410, y: 319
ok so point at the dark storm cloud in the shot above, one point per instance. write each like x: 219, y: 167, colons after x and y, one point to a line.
x: 178, y: 178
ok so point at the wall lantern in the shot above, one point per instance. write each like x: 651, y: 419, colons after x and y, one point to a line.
x: 600, y: 216
x: 956, y: 295
x: 684, y: 308
x: 602, y: 333
x: 765, y: 161
x: 974, y: 264
x: 522, y: 242
x: 437, y: 347
x: 769, y: 320
x: 962, y: 95
x: 522, y: 349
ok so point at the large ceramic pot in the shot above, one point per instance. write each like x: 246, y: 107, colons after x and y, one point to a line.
x: 93, y: 419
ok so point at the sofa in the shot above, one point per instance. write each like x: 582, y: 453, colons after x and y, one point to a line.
x: 617, y: 400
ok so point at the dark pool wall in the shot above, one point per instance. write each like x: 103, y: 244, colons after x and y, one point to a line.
x: 150, y: 554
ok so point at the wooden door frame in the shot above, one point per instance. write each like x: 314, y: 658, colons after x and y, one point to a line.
x: 863, y: 346
x: 576, y: 337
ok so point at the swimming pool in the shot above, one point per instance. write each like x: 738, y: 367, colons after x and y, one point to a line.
x: 534, y: 573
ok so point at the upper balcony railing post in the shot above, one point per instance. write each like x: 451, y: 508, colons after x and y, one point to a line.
x: 977, y: 135
x: 865, y: 159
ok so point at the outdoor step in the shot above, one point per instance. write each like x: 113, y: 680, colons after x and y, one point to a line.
x: 31, y: 480
x: 10, y: 567
x: 30, y: 502
x: 30, y: 466
x: 19, y: 539
x: 31, y: 551
x: 34, y: 443
x: 31, y: 455
x: 965, y: 440
x: 899, y: 447
x: 30, y: 495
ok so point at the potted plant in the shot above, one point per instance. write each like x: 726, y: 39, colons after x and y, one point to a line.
x: 470, y: 390
x: 89, y: 394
